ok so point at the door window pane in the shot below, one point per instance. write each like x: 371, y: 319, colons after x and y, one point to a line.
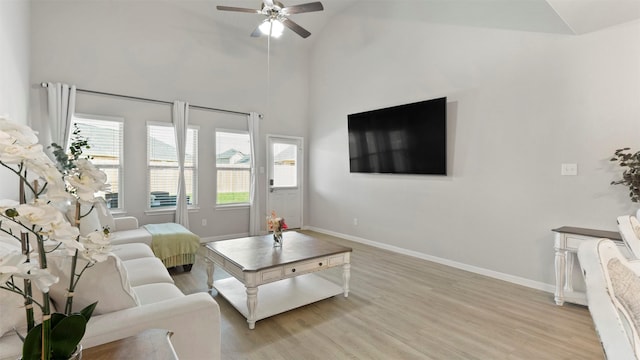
x: 285, y: 170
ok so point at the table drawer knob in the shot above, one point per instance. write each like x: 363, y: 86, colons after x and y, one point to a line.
x: 293, y: 270
x: 320, y: 264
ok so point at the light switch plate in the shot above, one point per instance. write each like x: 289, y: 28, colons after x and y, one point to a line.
x: 569, y: 169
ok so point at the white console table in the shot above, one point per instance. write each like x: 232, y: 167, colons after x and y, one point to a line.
x: 567, y: 241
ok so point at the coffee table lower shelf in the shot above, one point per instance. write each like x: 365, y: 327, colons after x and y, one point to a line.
x: 280, y: 296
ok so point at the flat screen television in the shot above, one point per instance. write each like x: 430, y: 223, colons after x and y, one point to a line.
x: 404, y: 139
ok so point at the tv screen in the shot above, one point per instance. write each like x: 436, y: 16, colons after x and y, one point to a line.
x: 405, y: 139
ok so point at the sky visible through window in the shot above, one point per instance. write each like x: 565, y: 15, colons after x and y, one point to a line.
x: 228, y: 140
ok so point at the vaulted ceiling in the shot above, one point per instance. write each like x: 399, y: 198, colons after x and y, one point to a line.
x: 548, y: 16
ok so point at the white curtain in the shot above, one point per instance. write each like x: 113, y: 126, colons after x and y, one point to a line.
x: 254, y: 210
x: 180, y: 122
x: 61, y: 105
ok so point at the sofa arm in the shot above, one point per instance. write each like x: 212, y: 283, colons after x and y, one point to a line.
x: 125, y: 223
x: 194, y: 320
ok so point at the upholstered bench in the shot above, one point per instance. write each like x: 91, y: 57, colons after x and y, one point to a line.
x: 172, y: 243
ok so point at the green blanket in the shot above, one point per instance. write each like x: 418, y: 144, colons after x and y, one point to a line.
x: 173, y: 243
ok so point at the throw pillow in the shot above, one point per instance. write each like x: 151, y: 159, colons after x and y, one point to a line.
x: 106, y: 282
x: 626, y: 287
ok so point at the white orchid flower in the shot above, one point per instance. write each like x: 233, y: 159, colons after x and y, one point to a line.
x: 62, y: 231
x: 21, y: 133
x: 86, y: 185
x: 97, y: 247
x: 17, y: 153
x: 14, y: 264
x: 38, y: 214
x: 42, y: 278
x: 11, y: 264
x: 45, y: 168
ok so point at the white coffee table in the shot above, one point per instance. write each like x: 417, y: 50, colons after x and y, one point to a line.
x: 284, y: 274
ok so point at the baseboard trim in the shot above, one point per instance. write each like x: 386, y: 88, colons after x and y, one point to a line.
x: 474, y: 269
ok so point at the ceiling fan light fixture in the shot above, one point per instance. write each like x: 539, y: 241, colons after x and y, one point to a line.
x: 275, y: 26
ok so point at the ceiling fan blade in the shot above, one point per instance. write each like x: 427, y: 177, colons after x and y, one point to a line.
x: 256, y: 32
x: 303, y: 8
x: 296, y: 28
x: 231, y: 8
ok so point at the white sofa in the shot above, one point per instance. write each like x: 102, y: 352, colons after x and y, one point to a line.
x: 613, y: 295
x: 148, y: 299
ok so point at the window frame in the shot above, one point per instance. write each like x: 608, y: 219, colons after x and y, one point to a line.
x: 121, y: 160
x: 216, y: 168
x: 194, y: 201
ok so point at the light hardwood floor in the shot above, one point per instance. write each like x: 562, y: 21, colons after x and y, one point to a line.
x: 402, y: 307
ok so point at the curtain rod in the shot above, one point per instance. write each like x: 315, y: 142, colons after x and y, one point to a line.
x: 44, y: 85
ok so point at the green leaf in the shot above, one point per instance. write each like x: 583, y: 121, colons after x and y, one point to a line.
x: 88, y: 311
x: 31, y: 349
x: 66, y: 335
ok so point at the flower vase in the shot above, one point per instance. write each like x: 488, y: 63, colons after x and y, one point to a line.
x: 77, y: 355
x: 277, y: 238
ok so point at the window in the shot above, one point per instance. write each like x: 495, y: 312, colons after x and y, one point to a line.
x: 162, y: 164
x: 104, y: 135
x: 233, y: 167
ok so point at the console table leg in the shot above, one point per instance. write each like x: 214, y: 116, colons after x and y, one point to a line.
x: 568, y: 281
x: 346, y: 275
x: 561, y: 257
x: 210, y: 268
x: 252, y: 303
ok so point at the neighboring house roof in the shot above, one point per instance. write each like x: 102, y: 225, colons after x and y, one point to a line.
x: 232, y: 156
x: 286, y: 155
x: 103, y: 142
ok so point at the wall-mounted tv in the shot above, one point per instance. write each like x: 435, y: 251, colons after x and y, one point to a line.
x: 404, y: 139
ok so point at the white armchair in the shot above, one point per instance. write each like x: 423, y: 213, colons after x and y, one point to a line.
x: 629, y: 228
x: 613, y: 295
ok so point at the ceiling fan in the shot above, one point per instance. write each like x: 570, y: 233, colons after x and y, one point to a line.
x: 278, y: 15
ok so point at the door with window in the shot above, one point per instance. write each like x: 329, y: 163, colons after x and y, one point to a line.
x: 285, y: 181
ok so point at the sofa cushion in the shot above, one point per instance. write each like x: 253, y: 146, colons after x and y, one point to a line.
x: 140, y: 235
x: 147, y: 270
x: 132, y: 251
x: 626, y: 288
x: 153, y: 293
x: 106, y: 282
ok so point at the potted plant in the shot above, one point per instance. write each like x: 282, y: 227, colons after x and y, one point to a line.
x: 630, y: 162
x: 38, y: 223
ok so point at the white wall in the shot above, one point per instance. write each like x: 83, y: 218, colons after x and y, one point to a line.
x: 14, y: 74
x: 169, y: 50
x: 519, y: 105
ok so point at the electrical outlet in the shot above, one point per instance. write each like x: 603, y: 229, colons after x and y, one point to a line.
x: 204, y: 222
